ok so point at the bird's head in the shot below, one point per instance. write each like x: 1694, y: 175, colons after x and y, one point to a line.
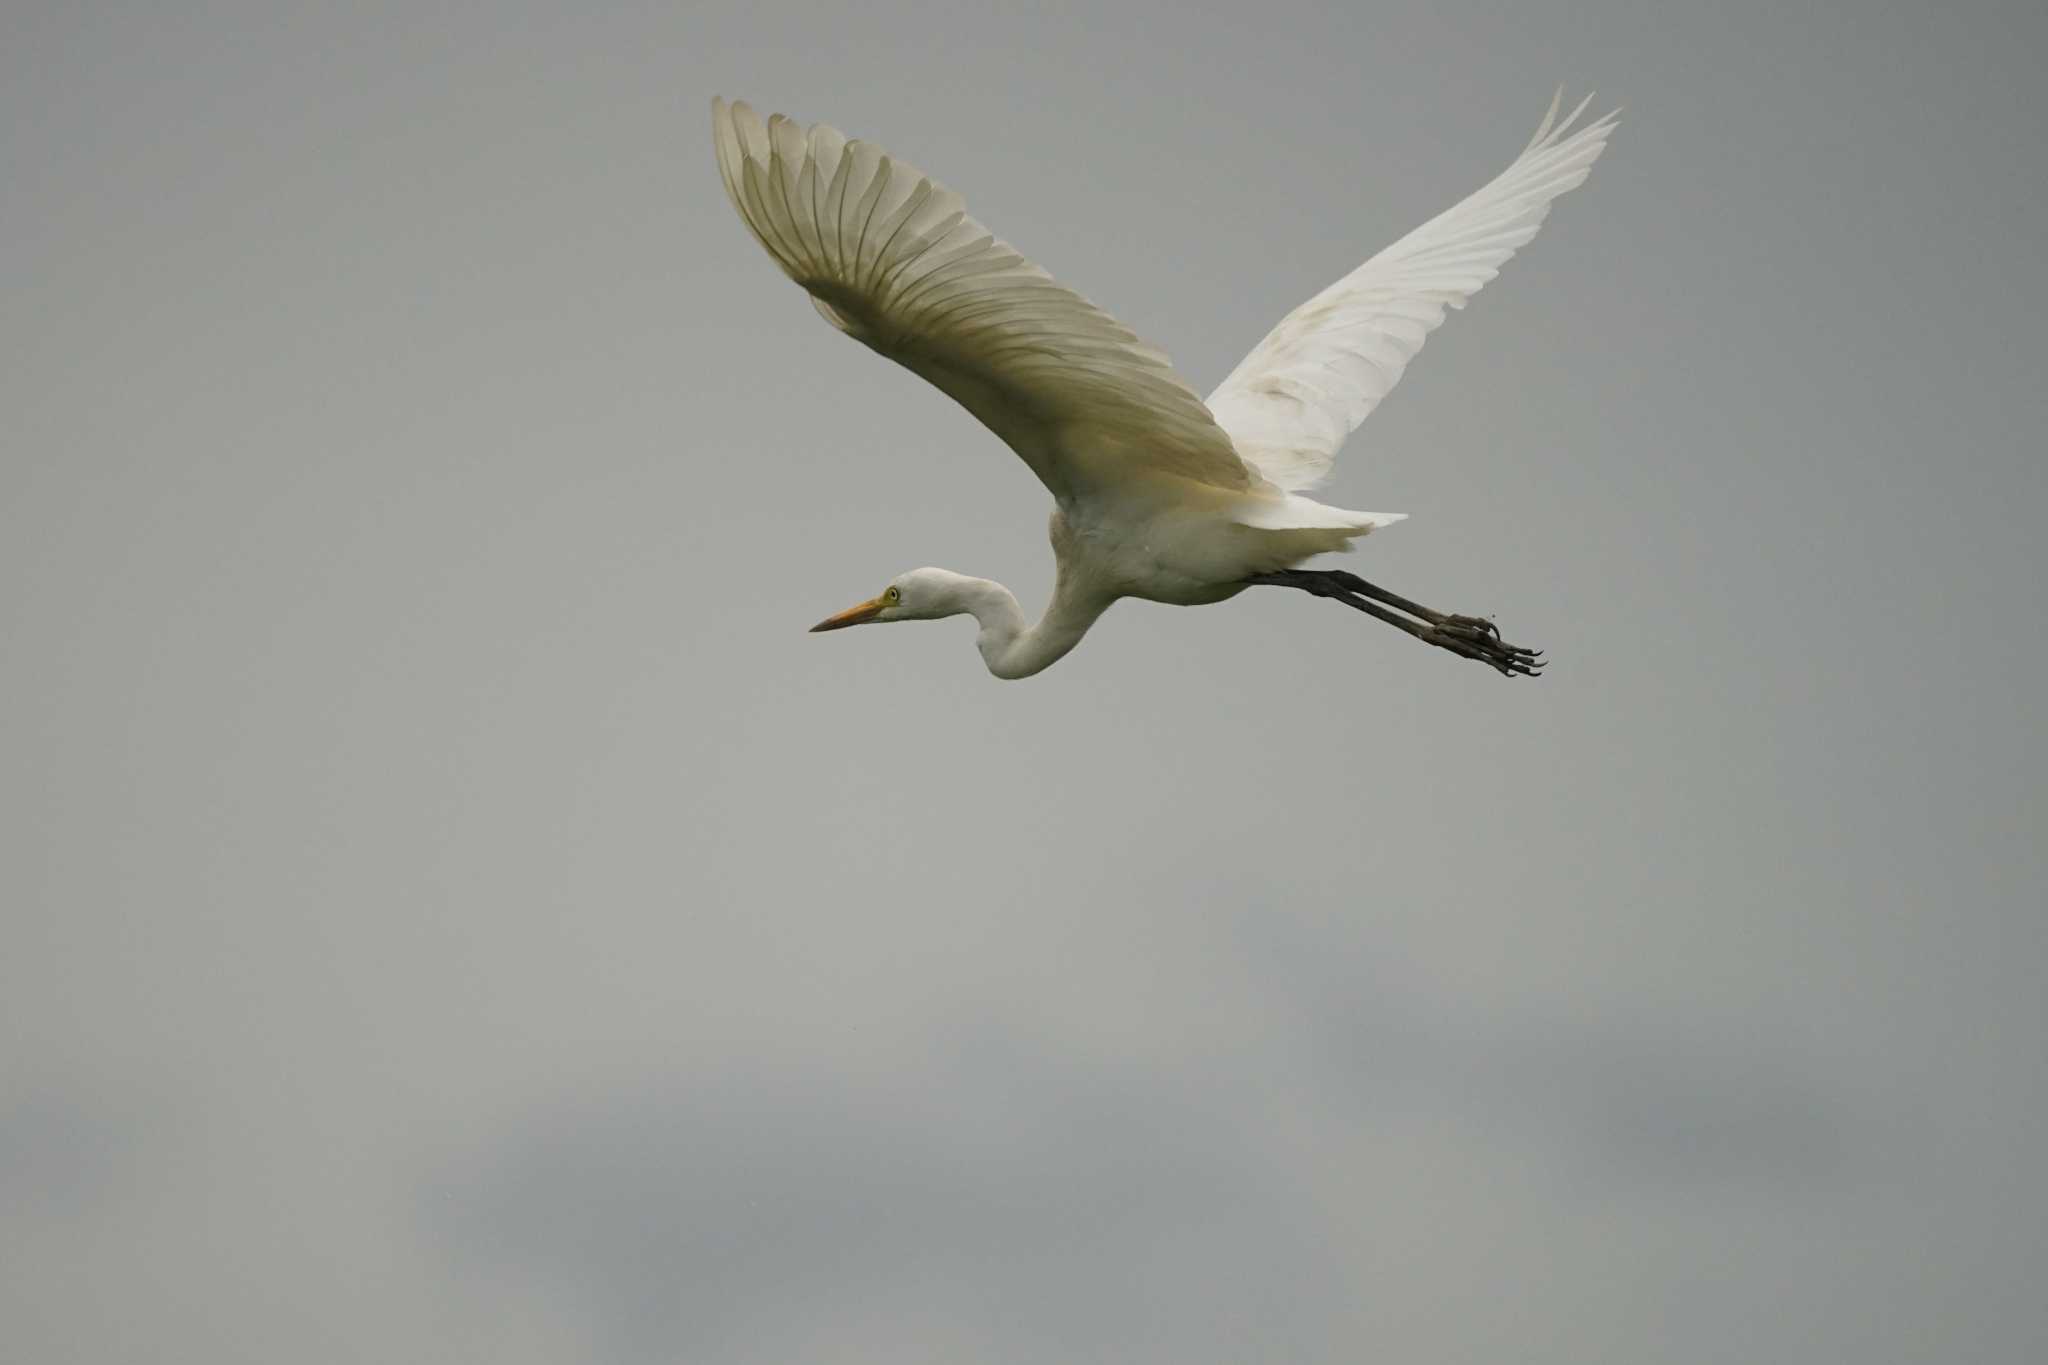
x: 920, y: 595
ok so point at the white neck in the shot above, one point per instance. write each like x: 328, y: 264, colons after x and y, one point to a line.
x: 1013, y: 649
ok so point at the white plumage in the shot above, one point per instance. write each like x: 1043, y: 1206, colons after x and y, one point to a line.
x: 1289, y: 404
x: 1158, y: 495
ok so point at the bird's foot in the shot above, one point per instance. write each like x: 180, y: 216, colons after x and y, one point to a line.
x: 1474, y: 637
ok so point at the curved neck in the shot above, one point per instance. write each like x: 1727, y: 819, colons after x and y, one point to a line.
x: 1010, y: 647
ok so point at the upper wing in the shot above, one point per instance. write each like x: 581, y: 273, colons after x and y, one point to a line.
x: 893, y: 260
x: 1291, y: 402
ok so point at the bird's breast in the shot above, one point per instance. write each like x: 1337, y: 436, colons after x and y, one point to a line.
x: 1176, y: 556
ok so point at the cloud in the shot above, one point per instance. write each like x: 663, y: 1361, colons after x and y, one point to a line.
x: 1005, y: 1189
x: 1603, y: 1091
x: 62, y: 1151
x: 1047, y: 1194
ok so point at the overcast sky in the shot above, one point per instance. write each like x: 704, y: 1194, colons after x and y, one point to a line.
x: 452, y: 910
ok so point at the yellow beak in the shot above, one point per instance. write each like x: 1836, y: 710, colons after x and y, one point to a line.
x: 852, y: 616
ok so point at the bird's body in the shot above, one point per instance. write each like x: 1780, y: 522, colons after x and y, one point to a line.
x: 1157, y: 494
x: 1181, y: 543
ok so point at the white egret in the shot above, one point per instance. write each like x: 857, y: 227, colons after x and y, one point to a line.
x: 1156, y: 494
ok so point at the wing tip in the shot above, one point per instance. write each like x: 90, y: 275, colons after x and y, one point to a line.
x: 1554, y: 131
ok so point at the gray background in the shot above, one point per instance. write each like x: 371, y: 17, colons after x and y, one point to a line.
x: 453, y: 911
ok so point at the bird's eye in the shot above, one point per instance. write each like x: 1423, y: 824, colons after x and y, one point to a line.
x: 893, y: 596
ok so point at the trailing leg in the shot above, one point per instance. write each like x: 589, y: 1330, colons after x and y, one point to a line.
x: 1470, y: 637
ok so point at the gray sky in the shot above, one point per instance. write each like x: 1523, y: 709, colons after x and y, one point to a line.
x: 453, y: 910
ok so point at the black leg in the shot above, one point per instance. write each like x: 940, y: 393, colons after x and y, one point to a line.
x: 1470, y: 637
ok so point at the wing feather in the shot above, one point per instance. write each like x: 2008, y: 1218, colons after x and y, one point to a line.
x: 894, y: 260
x: 1289, y: 404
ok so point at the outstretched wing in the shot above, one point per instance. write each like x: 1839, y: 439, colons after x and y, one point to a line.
x: 893, y: 260
x: 1289, y: 404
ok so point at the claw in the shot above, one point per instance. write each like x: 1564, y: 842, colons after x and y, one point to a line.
x: 1471, y: 637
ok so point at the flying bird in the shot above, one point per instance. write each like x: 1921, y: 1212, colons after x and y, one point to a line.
x: 1157, y: 494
